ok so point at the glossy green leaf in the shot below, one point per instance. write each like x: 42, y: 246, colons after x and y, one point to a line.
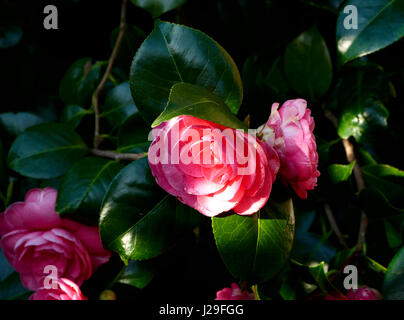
x: 46, y: 151
x: 137, y: 273
x: 359, y: 117
x: 72, y: 114
x: 393, y: 286
x: 138, y: 220
x: 5, y: 268
x: 263, y: 240
x: 188, y: 99
x: 380, y: 23
x: 119, y: 105
x: 157, y: 7
x: 80, y: 81
x: 340, y: 172
x: 307, y: 64
x: 134, y: 134
x: 175, y: 53
x: 83, y: 187
x: 10, y: 36
x: 16, y: 123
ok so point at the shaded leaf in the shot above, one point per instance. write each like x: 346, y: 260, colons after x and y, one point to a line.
x: 340, y: 172
x: 393, y: 286
x: 17, y: 123
x: 157, y: 7
x: 83, y: 187
x: 307, y: 64
x: 46, y: 151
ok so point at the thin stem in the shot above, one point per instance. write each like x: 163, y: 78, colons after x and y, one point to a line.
x: 118, y: 156
x: 360, y: 182
x: 334, y: 225
x: 95, y: 97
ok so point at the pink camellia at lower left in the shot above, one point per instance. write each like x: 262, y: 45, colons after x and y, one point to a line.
x: 65, y: 290
x: 212, y: 168
x: 33, y: 236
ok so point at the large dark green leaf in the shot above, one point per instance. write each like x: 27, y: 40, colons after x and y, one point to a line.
x: 157, y: 7
x: 308, y: 65
x: 17, y: 123
x: 46, y: 151
x: 380, y: 23
x: 119, y: 104
x: 83, y: 187
x: 138, y: 220
x: 79, y: 82
x: 254, y: 248
x: 188, y: 99
x: 175, y: 53
x: 393, y: 286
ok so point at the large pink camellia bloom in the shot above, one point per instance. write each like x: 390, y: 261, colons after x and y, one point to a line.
x: 66, y: 290
x: 212, y: 168
x: 33, y: 236
x: 234, y: 293
x: 289, y: 131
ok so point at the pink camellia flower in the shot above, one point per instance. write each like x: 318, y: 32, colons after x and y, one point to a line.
x: 363, y: 293
x: 234, y: 293
x: 33, y: 236
x: 212, y: 168
x: 289, y: 131
x: 66, y: 290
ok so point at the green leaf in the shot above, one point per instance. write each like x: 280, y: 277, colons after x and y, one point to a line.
x: 387, y: 181
x: 254, y: 248
x: 10, y: 36
x: 359, y: 117
x: 138, y: 220
x: 393, y: 286
x: 5, y: 268
x: 380, y: 23
x: 17, y: 123
x: 119, y: 105
x: 307, y: 64
x: 320, y: 276
x: 72, y: 114
x: 175, y: 53
x: 137, y: 273
x: 83, y: 187
x: 46, y: 151
x: 340, y: 172
x: 188, y: 99
x: 134, y: 134
x: 79, y: 82
x: 157, y: 7
x: 393, y: 236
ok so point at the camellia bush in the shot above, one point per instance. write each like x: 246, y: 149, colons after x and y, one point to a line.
x: 228, y: 150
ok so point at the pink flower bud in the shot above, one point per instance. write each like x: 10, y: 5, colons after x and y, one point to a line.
x: 289, y: 131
